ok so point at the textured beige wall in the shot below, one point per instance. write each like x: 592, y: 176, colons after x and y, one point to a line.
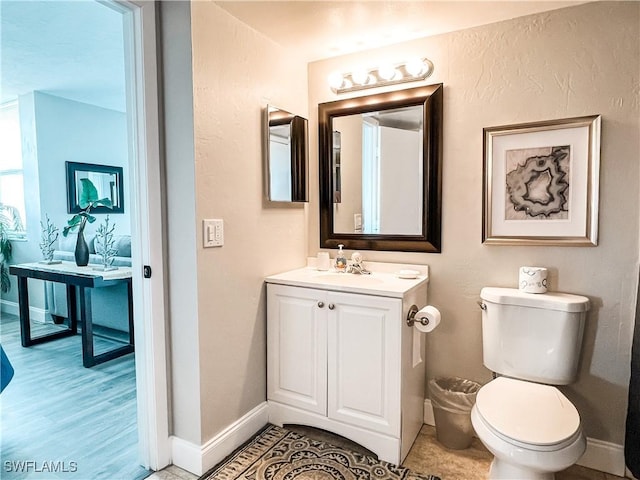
x: 236, y: 72
x: 582, y: 60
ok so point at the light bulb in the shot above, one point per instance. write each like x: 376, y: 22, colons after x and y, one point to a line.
x: 387, y: 72
x: 361, y: 77
x: 336, y: 80
x: 415, y: 67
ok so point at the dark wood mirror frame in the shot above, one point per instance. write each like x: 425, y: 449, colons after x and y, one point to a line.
x: 298, y: 153
x: 73, y: 187
x: 430, y: 97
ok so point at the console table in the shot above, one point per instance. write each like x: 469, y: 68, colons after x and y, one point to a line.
x: 79, y: 281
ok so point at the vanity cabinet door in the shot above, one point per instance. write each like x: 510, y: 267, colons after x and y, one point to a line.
x: 297, y: 347
x: 364, y: 374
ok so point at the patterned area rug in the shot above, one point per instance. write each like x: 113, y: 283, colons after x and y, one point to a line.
x: 279, y: 454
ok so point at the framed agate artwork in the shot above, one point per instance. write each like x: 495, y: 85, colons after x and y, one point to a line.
x: 541, y: 182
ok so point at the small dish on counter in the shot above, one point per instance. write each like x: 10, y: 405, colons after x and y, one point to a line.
x: 408, y: 274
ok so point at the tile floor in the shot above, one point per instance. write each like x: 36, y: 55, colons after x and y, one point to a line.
x: 172, y: 473
x: 428, y: 456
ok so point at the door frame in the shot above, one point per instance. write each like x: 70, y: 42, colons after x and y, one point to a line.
x: 147, y: 245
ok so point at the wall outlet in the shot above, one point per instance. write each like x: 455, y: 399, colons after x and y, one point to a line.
x: 212, y: 232
x: 357, y: 223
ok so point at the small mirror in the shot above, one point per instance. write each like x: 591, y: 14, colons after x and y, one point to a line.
x: 106, y: 179
x: 286, y: 156
x: 380, y: 172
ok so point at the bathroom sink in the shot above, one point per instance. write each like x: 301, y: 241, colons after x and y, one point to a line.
x: 349, y: 279
x: 385, y: 281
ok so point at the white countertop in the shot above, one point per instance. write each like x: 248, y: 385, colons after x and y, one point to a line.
x: 383, y: 281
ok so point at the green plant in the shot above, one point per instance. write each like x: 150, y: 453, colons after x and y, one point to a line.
x: 88, y: 200
x: 5, y: 257
x: 9, y: 221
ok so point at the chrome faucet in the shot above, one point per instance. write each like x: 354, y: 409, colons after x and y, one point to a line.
x: 356, y: 266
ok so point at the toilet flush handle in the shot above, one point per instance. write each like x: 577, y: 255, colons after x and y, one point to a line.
x: 482, y: 305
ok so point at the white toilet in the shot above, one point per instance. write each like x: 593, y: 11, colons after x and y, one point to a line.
x: 532, y: 341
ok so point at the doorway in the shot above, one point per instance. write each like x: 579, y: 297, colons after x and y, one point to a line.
x: 143, y: 169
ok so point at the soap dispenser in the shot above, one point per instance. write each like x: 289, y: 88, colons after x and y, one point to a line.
x: 341, y: 260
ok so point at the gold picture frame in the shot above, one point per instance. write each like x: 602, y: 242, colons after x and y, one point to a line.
x: 541, y: 183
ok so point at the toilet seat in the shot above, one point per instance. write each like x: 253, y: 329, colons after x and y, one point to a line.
x: 530, y: 415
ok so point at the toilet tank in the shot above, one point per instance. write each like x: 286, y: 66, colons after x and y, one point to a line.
x: 536, y: 337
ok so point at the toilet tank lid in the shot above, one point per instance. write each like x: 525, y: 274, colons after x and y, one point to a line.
x: 566, y: 302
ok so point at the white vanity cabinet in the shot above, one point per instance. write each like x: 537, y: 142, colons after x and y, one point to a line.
x: 346, y: 362
x: 336, y: 354
x: 297, y: 347
x: 363, y: 358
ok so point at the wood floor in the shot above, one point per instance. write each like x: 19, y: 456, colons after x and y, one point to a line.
x: 60, y: 420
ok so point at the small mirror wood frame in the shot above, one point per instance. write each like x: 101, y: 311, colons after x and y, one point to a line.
x: 430, y: 97
x: 287, y: 176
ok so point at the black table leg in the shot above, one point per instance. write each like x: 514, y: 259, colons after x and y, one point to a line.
x: 25, y: 321
x: 89, y: 359
x: 72, y: 313
x: 130, y: 298
x: 86, y: 316
x: 23, y: 305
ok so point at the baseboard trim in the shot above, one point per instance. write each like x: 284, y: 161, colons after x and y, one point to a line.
x: 186, y: 455
x: 36, y: 314
x: 603, y: 456
x: 198, y: 459
x: 429, y: 419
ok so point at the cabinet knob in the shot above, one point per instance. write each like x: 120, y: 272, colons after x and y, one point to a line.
x: 331, y: 306
x: 320, y: 304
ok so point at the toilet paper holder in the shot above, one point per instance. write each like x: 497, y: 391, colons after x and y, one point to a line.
x: 411, y: 316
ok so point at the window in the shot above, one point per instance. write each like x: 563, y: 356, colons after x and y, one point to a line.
x: 12, y: 205
x: 370, y: 175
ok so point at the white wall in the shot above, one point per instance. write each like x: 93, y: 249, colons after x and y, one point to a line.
x: 582, y: 60
x: 56, y: 130
x: 350, y: 128
x: 177, y: 87
x: 400, y: 181
x: 236, y: 73
x: 70, y: 131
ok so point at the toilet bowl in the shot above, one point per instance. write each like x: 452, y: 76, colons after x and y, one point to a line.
x: 532, y: 429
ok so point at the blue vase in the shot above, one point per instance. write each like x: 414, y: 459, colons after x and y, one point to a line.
x: 82, y: 250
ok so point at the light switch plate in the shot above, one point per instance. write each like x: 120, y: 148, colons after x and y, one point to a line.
x: 212, y: 232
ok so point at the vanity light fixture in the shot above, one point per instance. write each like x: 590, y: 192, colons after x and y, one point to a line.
x: 410, y: 71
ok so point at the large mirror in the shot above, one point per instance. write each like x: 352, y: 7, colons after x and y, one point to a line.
x: 286, y: 156
x: 107, y: 180
x: 380, y: 171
